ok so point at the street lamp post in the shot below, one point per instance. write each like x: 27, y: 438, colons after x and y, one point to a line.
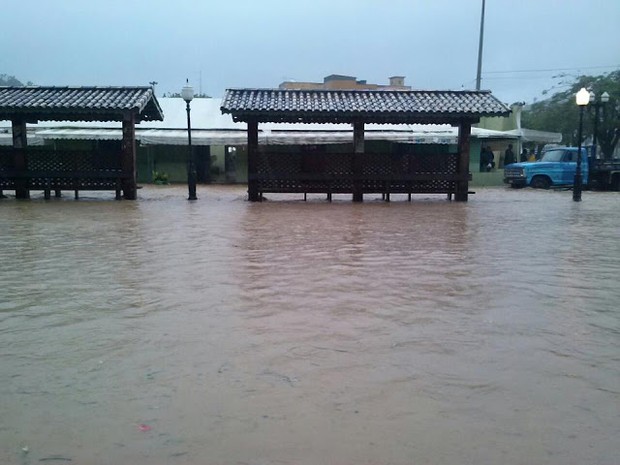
x: 188, y: 94
x: 582, y: 98
x: 597, y: 105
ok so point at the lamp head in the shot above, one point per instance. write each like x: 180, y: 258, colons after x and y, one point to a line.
x: 604, y: 97
x: 582, y: 97
x: 187, y: 92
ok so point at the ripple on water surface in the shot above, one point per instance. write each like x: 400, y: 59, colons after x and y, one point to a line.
x: 167, y: 331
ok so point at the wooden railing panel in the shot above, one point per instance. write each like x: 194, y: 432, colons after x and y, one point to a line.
x: 53, y: 169
x: 380, y: 172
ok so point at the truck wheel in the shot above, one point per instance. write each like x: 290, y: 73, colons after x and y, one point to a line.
x: 540, y: 182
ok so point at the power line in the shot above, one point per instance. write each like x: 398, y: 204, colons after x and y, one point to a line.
x: 550, y: 69
x: 516, y: 78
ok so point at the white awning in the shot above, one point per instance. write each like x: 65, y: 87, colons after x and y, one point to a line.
x: 532, y: 135
x: 265, y: 137
x: 150, y: 136
x: 481, y: 133
x: 278, y: 137
x: 7, y: 139
x: 81, y: 134
x: 199, y: 137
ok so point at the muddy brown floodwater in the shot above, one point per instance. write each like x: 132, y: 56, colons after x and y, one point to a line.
x: 224, y: 332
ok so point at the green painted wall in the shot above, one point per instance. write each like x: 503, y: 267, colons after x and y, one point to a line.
x: 168, y: 159
x: 502, y: 123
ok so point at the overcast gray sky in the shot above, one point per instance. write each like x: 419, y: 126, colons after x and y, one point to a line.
x: 259, y: 43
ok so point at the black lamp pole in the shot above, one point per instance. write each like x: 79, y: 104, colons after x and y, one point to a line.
x: 188, y: 94
x: 597, y: 106
x: 582, y: 98
x: 578, y: 180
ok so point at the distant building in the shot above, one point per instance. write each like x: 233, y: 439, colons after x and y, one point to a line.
x: 340, y: 82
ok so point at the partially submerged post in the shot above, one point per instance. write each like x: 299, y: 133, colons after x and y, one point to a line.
x: 358, y: 152
x: 582, y: 99
x: 188, y: 95
x: 253, y: 193
x: 462, y: 186
x: 20, y: 145
x: 128, y: 158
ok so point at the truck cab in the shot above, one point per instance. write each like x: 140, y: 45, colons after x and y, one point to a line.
x: 556, y: 167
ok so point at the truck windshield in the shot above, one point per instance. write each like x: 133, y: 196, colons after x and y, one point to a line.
x: 553, y: 155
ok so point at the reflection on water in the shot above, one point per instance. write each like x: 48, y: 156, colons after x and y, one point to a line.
x: 303, y: 333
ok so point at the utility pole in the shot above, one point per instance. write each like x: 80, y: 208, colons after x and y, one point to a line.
x: 479, y: 74
x: 153, y: 84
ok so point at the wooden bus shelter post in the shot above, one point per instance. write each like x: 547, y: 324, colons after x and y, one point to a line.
x: 253, y: 194
x: 128, y: 157
x: 20, y: 144
x: 358, y: 152
x: 462, y: 185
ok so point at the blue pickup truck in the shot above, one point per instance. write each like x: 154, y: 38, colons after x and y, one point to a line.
x: 556, y: 167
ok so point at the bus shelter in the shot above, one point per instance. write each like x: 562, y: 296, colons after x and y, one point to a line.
x: 24, y: 168
x: 358, y: 171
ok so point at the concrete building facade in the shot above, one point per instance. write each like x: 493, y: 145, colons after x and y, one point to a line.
x: 342, y: 82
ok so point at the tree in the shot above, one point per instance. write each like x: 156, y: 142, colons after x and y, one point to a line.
x: 559, y: 113
x: 6, y: 80
x: 178, y: 95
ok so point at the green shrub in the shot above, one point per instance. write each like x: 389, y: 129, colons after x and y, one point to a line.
x: 160, y: 178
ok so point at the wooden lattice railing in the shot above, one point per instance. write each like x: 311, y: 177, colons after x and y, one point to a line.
x: 57, y: 170
x: 375, y: 172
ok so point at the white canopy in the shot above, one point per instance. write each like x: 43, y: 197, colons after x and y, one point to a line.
x: 532, y: 135
x: 6, y: 138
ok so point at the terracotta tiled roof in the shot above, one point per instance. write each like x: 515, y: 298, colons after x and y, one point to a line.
x: 371, y: 106
x: 79, y: 103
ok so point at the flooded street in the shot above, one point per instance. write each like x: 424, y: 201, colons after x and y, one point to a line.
x: 289, y: 332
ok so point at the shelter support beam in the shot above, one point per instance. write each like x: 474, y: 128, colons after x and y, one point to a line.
x: 20, y: 144
x: 128, y: 158
x: 358, y: 151
x: 462, y: 186
x: 253, y: 194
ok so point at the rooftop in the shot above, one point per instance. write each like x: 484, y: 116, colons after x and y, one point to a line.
x: 78, y: 103
x: 369, y: 106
